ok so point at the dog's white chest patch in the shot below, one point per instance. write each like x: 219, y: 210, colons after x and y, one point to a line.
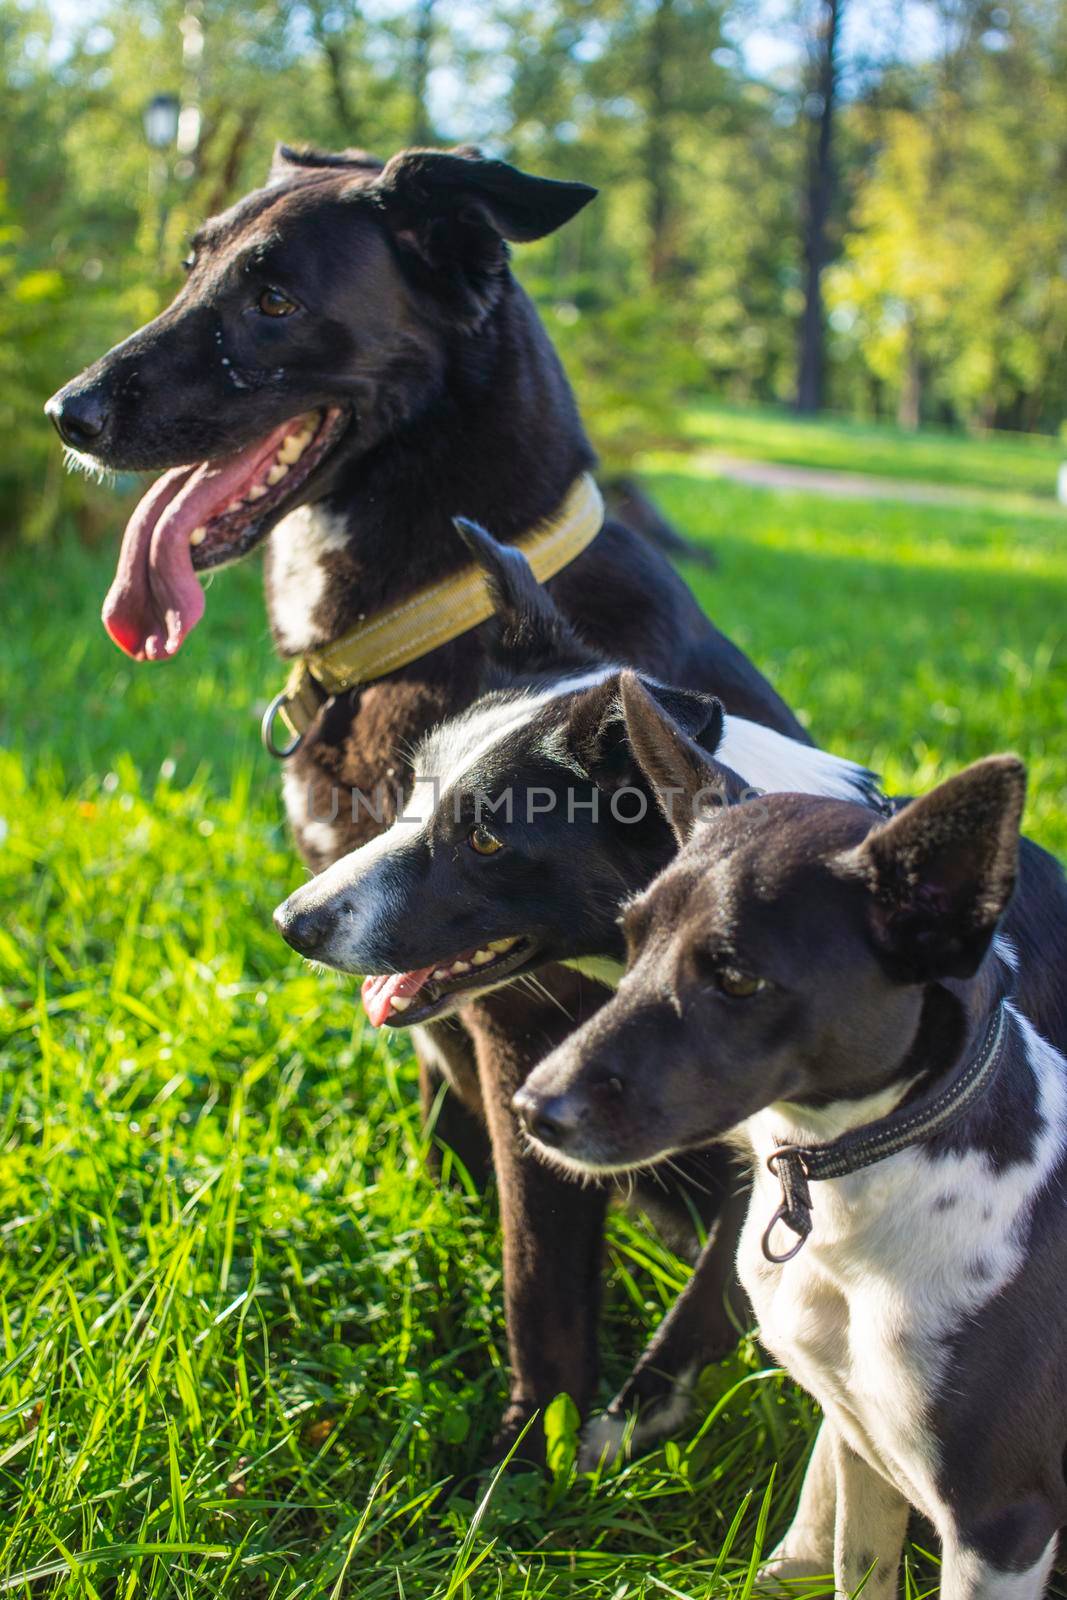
x: 297, y: 576
x: 319, y: 834
x: 855, y: 1338
x: 900, y: 1257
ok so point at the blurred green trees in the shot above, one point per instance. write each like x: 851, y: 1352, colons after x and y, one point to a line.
x: 947, y: 225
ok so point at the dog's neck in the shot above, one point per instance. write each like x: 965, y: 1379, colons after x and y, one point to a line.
x: 950, y: 1032
x: 500, y: 442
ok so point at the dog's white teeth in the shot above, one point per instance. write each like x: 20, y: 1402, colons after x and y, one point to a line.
x: 460, y: 966
x: 277, y: 473
x: 293, y: 448
x: 440, y: 972
x: 399, y: 1002
x: 480, y: 957
x: 234, y: 505
x: 257, y: 491
x: 498, y: 946
x: 198, y: 536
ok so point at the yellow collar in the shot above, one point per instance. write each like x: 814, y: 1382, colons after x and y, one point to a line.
x: 427, y: 619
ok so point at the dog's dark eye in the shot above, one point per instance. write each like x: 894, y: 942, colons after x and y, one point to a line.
x: 738, y: 985
x: 189, y: 263
x: 273, y: 303
x: 483, y: 842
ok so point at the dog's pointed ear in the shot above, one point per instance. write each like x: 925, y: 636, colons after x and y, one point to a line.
x: 599, y: 733
x: 421, y: 188
x: 286, y: 161
x: 673, y: 734
x: 941, y: 873
x: 450, y: 215
x: 531, y: 632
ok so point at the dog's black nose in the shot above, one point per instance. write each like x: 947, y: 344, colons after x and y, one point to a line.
x: 80, y: 417
x: 304, y: 930
x: 551, y: 1122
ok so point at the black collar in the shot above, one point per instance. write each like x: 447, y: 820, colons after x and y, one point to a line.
x: 795, y: 1165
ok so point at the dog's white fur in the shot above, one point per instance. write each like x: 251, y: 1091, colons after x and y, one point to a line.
x: 863, y: 1315
x: 606, y: 1437
x: 297, y: 577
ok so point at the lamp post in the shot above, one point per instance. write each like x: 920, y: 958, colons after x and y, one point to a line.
x: 160, y: 119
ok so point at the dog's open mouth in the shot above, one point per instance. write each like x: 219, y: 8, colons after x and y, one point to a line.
x: 404, y: 998
x: 195, y: 518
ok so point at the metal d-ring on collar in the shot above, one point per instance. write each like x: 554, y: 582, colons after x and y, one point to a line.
x: 266, y: 729
x: 796, y: 1166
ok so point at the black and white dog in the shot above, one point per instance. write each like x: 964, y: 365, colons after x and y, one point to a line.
x: 866, y: 1007
x: 528, y: 824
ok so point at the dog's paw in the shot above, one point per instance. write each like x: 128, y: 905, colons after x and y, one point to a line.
x: 602, y: 1441
x: 786, y: 1567
x: 660, y: 1409
x: 518, y: 1442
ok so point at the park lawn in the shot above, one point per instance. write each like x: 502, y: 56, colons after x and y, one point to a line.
x: 244, y: 1337
x: 1011, y: 462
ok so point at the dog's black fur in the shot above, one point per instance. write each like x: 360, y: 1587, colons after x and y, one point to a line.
x: 410, y: 333
x: 539, y: 773
x: 795, y: 972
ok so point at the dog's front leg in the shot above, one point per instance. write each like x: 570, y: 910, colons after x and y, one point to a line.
x: 451, y: 1097
x: 871, y: 1525
x: 807, y: 1550
x: 553, y: 1231
x: 696, y: 1331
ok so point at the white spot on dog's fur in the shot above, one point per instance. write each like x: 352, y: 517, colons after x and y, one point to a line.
x: 319, y: 834
x: 459, y: 744
x: 296, y: 576
x: 321, y: 837
x: 763, y: 758
x: 772, y: 761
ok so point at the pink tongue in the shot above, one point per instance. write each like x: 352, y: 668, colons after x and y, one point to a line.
x: 156, y: 600
x: 378, y: 992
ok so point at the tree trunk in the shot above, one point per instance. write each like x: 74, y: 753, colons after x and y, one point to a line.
x: 910, y: 406
x: 658, y: 152
x: 421, y: 131
x: 222, y: 192
x: 332, y: 42
x: 818, y: 203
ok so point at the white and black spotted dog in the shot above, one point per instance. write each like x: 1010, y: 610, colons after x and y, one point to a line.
x: 528, y: 824
x: 878, y: 1014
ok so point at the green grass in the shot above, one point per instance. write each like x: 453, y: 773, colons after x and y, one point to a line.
x: 244, y: 1337
x: 1011, y: 462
